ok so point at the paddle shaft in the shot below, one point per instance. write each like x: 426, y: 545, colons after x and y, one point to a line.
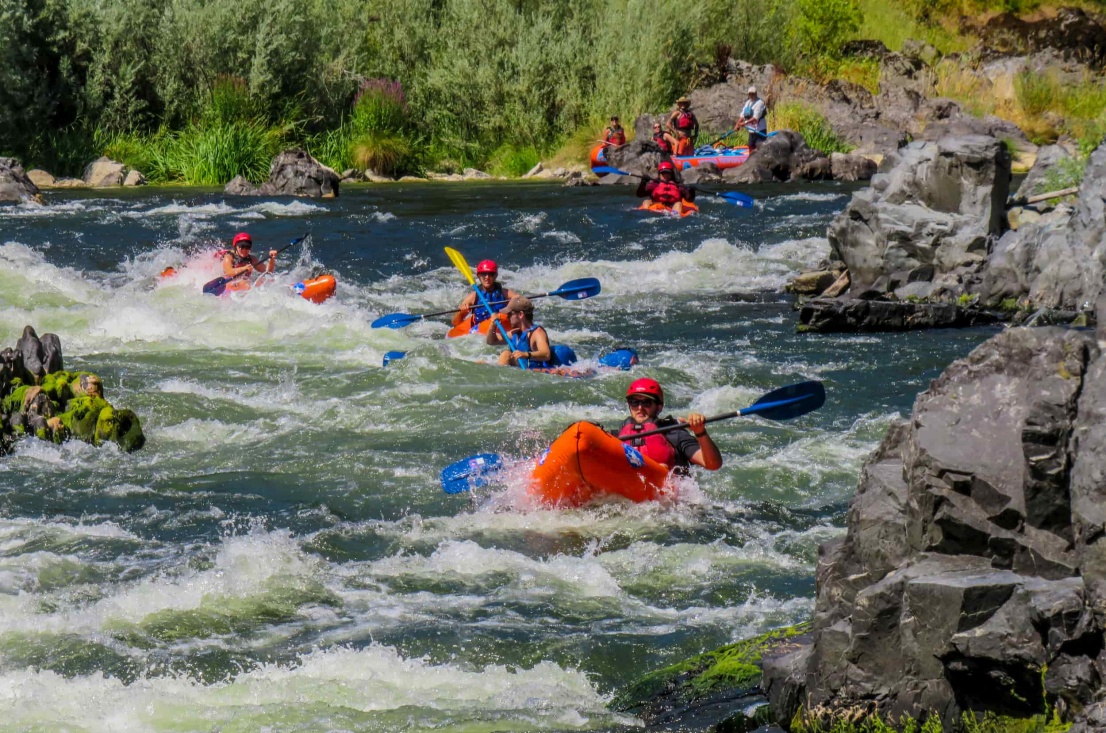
x: 494, y: 302
x: 721, y: 138
x: 753, y: 409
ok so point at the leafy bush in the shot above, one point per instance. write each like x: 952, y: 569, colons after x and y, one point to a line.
x: 1066, y: 173
x: 809, y: 123
x: 1036, y: 93
x: 512, y: 161
x: 823, y: 26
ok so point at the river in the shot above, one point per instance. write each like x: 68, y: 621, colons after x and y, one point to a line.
x: 280, y: 556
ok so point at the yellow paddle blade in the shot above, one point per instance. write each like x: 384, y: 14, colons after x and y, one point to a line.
x: 459, y: 262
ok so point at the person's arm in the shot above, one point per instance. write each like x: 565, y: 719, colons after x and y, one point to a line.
x: 494, y: 338
x: 538, y: 350
x: 643, y: 188
x: 708, y: 455
x: 463, y: 313
x: 269, y: 266
x: 229, y: 270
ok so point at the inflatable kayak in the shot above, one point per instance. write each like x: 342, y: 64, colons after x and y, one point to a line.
x: 465, y: 327
x: 687, y: 208
x: 723, y: 158
x: 316, y: 289
x: 587, y: 463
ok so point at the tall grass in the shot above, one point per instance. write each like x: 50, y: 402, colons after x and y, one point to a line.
x: 809, y: 123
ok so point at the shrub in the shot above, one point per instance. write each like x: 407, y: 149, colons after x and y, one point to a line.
x: 509, y: 160
x: 382, y: 152
x: 809, y: 123
x: 823, y: 26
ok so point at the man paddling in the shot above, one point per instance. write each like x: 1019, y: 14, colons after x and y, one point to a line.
x: 487, y: 272
x: 531, y: 342
x: 238, y: 262
x: 677, y: 449
x: 665, y: 190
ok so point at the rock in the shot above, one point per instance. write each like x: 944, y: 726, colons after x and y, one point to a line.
x: 1057, y: 261
x: 865, y: 49
x: 920, y: 50
x: 472, y: 173
x: 134, y: 178
x: 374, y: 177
x: 41, y: 178
x: 942, y: 204
x: 848, y: 167
x: 15, y: 186
x: 839, y: 286
x: 1048, y: 157
x: 812, y: 283
x: 348, y: 173
x: 412, y: 179
x: 51, y: 353
x: 855, y: 315
x: 1071, y: 32
x: 1020, y: 216
x: 971, y: 568
x: 780, y: 158
x: 702, y: 173
x: 30, y: 349
x: 292, y: 173
x: 104, y: 173
x: 69, y: 183
x: 538, y: 168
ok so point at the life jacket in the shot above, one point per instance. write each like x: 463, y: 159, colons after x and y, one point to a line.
x: 656, y: 447
x: 524, y: 338
x: 685, y: 121
x: 666, y: 192
x: 498, y: 299
x: 237, y: 260
x: 662, y: 143
x: 616, y: 136
x: 683, y: 146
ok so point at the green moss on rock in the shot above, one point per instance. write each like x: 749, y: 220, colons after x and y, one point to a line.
x: 733, y: 666
x: 14, y: 401
x: 120, y: 427
x: 81, y: 415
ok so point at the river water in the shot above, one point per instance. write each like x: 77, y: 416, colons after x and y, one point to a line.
x: 280, y: 556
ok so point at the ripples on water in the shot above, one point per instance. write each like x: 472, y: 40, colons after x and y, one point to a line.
x: 280, y: 554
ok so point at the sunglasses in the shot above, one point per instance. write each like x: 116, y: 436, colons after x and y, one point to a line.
x: 242, y: 245
x: 640, y: 402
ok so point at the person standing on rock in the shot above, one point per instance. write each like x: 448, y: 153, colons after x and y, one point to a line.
x: 614, y: 134
x: 239, y: 263
x: 666, y: 190
x: 684, y: 119
x: 754, y: 117
x: 663, y: 140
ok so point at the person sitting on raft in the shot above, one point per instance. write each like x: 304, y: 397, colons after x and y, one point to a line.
x: 663, y: 140
x: 666, y: 190
x: 677, y: 449
x: 487, y: 272
x: 529, y: 340
x: 682, y: 118
x: 239, y: 263
x: 614, y: 134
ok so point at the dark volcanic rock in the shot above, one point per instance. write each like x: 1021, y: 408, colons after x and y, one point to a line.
x: 780, y: 158
x: 292, y: 173
x: 1073, y: 33
x: 15, y: 186
x: 974, y: 563
x: 841, y: 315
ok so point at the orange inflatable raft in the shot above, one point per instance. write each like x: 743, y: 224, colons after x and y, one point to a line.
x: 316, y: 290
x: 465, y: 327
x: 687, y: 208
x: 586, y: 463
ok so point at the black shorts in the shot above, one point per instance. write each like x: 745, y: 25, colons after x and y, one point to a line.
x: 755, y: 139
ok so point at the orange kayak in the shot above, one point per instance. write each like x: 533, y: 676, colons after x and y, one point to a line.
x: 687, y: 208
x: 587, y: 463
x: 316, y: 290
x: 465, y: 327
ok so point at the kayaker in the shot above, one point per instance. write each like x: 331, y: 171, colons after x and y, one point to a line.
x: 754, y: 117
x: 487, y: 272
x: 682, y: 118
x: 614, y: 134
x: 665, y: 190
x: 238, y: 262
x: 531, y: 342
x: 663, y: 139
x: 678, y: 448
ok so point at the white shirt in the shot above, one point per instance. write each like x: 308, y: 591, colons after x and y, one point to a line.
x: 756, y: 110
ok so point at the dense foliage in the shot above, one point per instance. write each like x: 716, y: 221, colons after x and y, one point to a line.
x: 481, y: 81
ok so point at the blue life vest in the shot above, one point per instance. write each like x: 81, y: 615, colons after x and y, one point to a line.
x: 480, y: 313
x: 524, y: 339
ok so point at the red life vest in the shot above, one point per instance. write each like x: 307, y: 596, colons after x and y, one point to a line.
x: 662, y: 143
x: 616, y: 137
x: 666, y: 192
x: 656, y: 447
x: 685, y: 121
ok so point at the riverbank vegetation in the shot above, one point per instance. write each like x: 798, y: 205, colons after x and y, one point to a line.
x: 200, y: 92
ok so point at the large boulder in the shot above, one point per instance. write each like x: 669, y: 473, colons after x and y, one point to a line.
x: 292, y: 173
x: 942, y: 206
x: 15, y: 186
x: 1071, y: 32
x: 1056, y: 261
x: 782, y: 157
x: 973, y: 567
x: 1048, y: 158
x: 104, y: 173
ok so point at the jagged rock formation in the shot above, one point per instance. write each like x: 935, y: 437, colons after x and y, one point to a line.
x: 972, y: 576
x: 15, y: 186
x: 292, y: 173
x: 38, y: 397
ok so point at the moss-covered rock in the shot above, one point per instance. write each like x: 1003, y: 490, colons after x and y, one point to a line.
x: 121, y: 427
x: 732, y: 667
x: 56, y: 386
x: 81, y: 415
x: 13, y: 401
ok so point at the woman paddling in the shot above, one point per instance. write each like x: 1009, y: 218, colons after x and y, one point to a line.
x: 238, y: 262
x: 487, y: 272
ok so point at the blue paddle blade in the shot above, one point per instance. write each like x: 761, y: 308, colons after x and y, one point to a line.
x: 393, y: 356
x: 216, y: 286
x: 585, y: 287
x: 737, y: 199
x: 621, y: 359
x: 788, y: 402
x: 608, y: 169
x: 470, y: 473
x: 395, y: 320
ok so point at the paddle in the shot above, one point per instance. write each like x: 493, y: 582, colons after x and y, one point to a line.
x: 733, y: 197
x: 784, y: 403
x: 461, y: 264
x: 219, y: 285
x: 587, y: 287
x: 711, y: 145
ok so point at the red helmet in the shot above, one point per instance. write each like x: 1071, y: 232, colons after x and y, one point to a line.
x: 487, y: 266
x: 650, y: 387
x: 665, y: 165
x: 241, y: 237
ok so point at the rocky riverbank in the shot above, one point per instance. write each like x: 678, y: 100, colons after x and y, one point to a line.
x: 39, y: 398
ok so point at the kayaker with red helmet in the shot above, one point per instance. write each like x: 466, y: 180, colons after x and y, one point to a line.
x: 663, y: 139
x: 665, y: 190
x: 487, y: 274
x: 531, y: 342
x: 238, y: 262
x: 682, y: 118
x: 676, y: 448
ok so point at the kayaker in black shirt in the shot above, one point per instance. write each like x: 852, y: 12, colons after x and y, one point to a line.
x: 238, y: 262
x: 677, y: 449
